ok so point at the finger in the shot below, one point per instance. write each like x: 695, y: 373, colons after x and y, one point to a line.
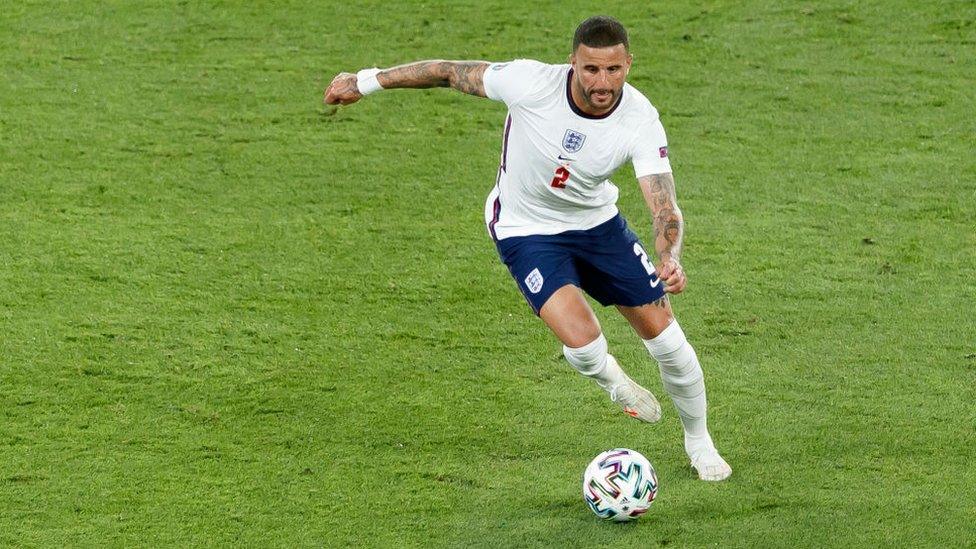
x: 330, y: 97
x: 333, y: 91
x: 678, y: 284
x: 677, y: 288
x: 675, y: 281
x: 670, y: 287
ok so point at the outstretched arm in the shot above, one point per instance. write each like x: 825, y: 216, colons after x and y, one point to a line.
x: 464, y: 76
x: 660, y: 197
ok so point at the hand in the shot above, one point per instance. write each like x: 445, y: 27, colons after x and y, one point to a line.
x: 673, y: 275
x: 342, y: 90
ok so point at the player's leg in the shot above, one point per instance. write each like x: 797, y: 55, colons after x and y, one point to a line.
x: 545, y: 272
x: 614, y: 268
x: 571, y: 319
x: 683, y: 379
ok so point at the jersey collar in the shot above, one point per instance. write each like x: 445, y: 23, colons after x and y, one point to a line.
x: 579, y: 111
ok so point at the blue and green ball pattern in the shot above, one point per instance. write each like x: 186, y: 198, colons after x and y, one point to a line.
x: 619, y: 485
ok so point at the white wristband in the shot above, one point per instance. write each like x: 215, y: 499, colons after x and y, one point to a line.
x: 366, y: 81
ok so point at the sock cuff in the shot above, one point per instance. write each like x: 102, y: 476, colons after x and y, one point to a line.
x: 590, y: 358
x: 668, y: 341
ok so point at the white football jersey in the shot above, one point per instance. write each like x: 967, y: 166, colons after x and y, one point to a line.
x: 556, y: 160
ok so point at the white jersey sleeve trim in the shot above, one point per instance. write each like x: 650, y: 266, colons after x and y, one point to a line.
x: 650, y: 154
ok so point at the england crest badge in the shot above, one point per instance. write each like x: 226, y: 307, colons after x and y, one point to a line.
x: 534, y: 281
x: 573, y: 141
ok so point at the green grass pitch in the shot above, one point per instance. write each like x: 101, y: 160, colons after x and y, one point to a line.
x: 232, y: 316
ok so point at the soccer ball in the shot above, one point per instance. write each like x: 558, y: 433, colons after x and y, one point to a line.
x: 619, y: 485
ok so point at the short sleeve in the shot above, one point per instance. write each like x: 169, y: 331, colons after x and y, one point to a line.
x: 650, y: 154
x: 511, y: 82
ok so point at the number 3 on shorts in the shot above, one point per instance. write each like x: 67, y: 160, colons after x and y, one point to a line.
x: 639, y: 252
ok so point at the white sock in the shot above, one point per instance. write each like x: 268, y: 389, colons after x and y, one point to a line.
x: 592, y: 361
x: 685, y: 383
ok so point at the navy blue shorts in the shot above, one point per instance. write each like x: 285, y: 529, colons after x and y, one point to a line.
x: 608, y: 262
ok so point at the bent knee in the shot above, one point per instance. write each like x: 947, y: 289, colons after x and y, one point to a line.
x: 582, y: 337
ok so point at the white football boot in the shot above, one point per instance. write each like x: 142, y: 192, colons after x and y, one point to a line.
x: 635, y: 400
x: 706, y: 461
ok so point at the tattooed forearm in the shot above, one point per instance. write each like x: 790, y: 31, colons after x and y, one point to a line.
x: 468, y: 77
x: 659, y: 194
x: 464, y: 76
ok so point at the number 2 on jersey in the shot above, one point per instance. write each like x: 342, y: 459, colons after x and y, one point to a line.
x: 639, y: 252
x: 562, y: 174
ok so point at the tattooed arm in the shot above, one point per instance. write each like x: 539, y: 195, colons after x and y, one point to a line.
x: 660, y: 197
x: 464, y: 76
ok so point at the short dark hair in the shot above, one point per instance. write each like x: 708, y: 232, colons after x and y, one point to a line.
x: 601, y: 31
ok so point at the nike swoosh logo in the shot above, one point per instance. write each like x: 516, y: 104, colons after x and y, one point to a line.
x: 561, y: 157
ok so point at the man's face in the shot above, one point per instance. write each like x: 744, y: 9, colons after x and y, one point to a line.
x: 600, y: 74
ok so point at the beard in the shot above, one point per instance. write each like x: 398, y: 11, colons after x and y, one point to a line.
x: 596, y: 97
x: 601, y: 95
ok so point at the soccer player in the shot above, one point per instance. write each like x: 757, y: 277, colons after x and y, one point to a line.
x: 553, y: 217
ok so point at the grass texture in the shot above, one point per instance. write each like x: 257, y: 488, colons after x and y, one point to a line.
x: 232, y: 316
